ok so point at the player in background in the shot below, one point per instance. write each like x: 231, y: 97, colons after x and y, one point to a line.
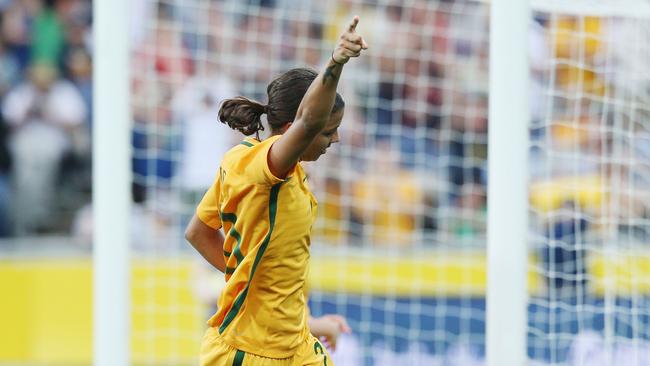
x: 263, y: 203
x: 328, y: 328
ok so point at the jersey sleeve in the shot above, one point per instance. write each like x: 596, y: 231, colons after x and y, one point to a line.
x: 257, y: 165
x: 208, y: 209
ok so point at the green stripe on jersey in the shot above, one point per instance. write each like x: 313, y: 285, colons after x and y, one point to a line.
x: 231, y: 217
x: 239, y: 358
x: 239, y: 301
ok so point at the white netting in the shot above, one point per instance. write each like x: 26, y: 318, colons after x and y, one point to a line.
x: 589, y: 190
x: 399, y: 242
x: 398, y: 246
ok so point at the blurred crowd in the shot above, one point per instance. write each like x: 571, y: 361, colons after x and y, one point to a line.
x: 416, y: 109
x: 45, y: 90
x: 411, y: 166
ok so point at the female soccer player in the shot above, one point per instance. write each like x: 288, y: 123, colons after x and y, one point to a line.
x: 261, y: 200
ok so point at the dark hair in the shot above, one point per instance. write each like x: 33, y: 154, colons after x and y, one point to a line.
x: 284, y: 93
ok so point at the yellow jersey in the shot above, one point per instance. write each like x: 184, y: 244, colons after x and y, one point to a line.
x: 267, y: 225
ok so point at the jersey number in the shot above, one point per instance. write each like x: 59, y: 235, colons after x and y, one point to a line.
x: 318, y: 349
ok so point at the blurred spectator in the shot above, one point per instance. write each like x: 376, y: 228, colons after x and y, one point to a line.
x: 48, y: 34
x: 628, y: 57
x: 205, y: 140
x: 430, y: 224
x: 577, y: 41
x: 424, y: 102
x: 589, y: 191
x: 79, y: 71
x: 10, y: 72
x: 251, y: 46
x: 77, y: 24
x: 387, y: 208
x: 162, y: 53
x: 154, y: 140
x: 5, y: 184
x: 161, y: 64
x: 46, y: 115
x: 17, y: 19
x: 468, y: 145
x: 564, y: 255
x: 470, y: 221
x: 538, y: 55
x: 331, y: 227
x: 301, y: 42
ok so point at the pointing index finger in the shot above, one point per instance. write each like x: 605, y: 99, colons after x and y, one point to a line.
x: 354, y: 23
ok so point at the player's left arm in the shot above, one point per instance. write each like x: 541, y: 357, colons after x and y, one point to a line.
x: 330, y: 327
x: 207, y: 241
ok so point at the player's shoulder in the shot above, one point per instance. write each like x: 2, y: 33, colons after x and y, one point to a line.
x: 248, y: 148
x: 238, y: 151
x: 238, y: 157
x: 248, y: 160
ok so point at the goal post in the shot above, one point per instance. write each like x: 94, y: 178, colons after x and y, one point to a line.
x: 111, y: 184
x: 507, y: 228
x: 400, y: 246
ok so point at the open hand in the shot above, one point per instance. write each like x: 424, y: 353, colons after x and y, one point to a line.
x: 328, y: 328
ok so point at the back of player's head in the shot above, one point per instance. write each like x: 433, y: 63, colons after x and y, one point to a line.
x: 284, y: 94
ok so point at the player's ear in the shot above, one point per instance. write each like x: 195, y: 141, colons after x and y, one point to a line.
x: 286, y: 126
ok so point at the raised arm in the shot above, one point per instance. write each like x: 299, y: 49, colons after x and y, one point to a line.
x: 316, y: 106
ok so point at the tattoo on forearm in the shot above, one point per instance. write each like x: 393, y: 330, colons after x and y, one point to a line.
x: 329, y: 73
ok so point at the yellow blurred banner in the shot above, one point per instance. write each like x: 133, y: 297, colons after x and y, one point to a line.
x: 46, y: 311
x: 448, y: 274
x: 625, y: 274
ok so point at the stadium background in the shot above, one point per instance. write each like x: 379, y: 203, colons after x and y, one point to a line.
x: 399, y: 247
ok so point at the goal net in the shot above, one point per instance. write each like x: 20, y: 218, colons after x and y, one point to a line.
x: 589, y: 183
x: 398, y: 247
x: 399, y: 244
